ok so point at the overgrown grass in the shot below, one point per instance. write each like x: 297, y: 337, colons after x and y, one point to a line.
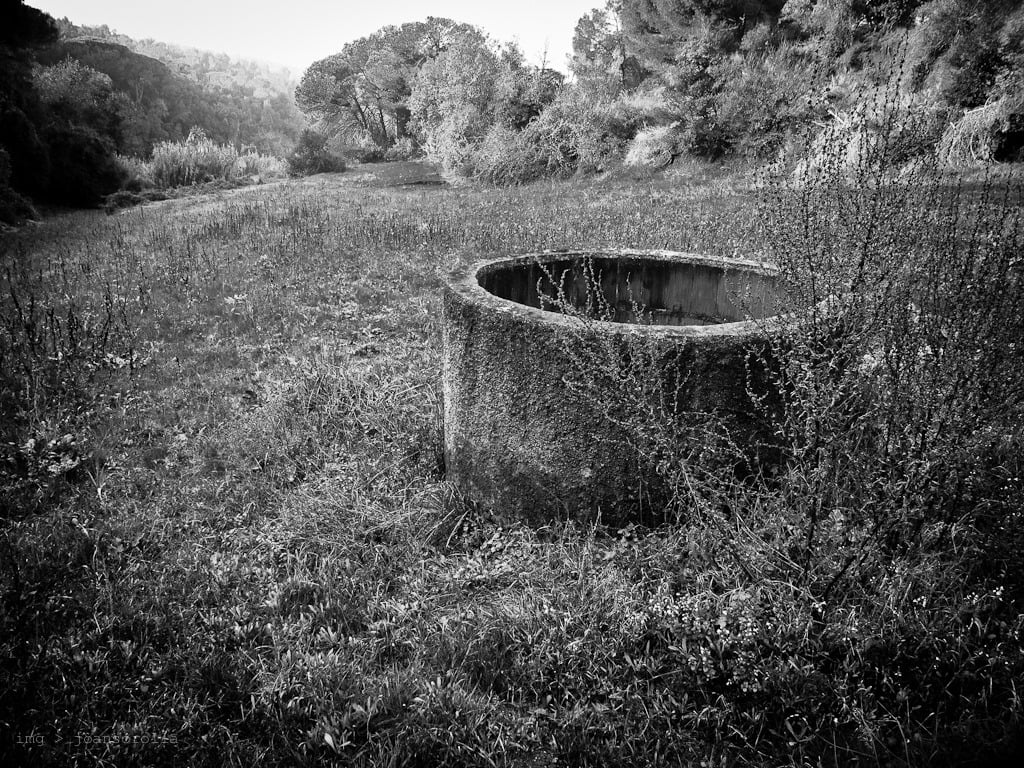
x: 198, y: 160
x: 249, y: 554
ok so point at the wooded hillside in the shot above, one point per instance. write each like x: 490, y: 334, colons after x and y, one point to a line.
x: 82, y: 107
x: 238, y: 101
x: 655, y: 80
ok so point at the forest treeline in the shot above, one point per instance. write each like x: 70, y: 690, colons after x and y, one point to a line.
x: 82, y: 109
x: 85, y: 111
x: 245, y: 103
x: 654, y: 80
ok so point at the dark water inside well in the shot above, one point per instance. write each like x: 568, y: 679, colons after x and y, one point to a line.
x: 634, y: 289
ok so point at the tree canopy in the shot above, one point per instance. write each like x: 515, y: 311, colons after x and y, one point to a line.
x: 366, y: 86
x: 438, y: 83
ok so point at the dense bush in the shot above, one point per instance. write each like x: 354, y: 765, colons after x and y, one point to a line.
x: 731, y: 84
x: 14, y: 208
x: 761, y: 103
x: 88, y: 170
x: 504, y: 156
x: 653, y: 147
x: 29, y: 157
x: 748, y: 86
x: 137, y: 173
x: 312, y: 156
x: 74, y: 94
x: 403, y: 149
x: 575, y: 134
x: 452, y: 140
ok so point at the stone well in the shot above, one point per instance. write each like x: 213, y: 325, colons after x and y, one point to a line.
x: 519, y: 440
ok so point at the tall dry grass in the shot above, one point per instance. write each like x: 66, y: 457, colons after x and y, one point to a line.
x: 199, y: 159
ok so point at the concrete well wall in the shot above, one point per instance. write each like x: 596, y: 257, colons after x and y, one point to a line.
x: 519, y: 440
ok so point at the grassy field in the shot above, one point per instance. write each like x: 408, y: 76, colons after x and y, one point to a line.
x: 227, y: 538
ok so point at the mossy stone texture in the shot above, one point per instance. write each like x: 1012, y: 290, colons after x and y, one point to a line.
x: 520, y: 440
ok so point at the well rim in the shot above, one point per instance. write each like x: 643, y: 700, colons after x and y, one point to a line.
x: 466, y: 282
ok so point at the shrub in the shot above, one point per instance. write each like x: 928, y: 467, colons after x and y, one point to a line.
x: 759, y: 106
x: 137, y: 172
x: 196, y: 160
x: 961, y: 48
x: 452, y: 141
x: 256, y: 165
x: 14, y: 208
x: 653, y: 147
x: 359, y: 147
x: 900, y: 424
x: 974, y: 139
x: 505, y: 157
x: 575, y: 134
x: 575, y: 137
x: 312, y: 156
x: 883, y: 134
x: 572, y: 135
x: 127, y: 198
x: 403, y: 149
x: 30, y: 160
x: 79, y: 95
x: 87, y: 170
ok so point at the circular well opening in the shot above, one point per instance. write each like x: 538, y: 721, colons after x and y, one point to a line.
x: 655, y: 288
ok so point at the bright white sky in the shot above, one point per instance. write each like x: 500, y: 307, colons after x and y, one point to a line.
x: 296, y: 33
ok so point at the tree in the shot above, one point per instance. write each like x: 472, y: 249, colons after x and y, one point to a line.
x: 75, y: 94
x: 22, y: 32
x: 160, y: 105
x: 654, y: 27
x: 24, y: 28
x: 600, y: 62
x: 458, y: 96
x: 365, y: 88
x: 475, y: 99
x: 962, y: 49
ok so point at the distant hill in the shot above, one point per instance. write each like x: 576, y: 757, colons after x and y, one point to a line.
x: 173, y: 88
x: 206, y: 68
